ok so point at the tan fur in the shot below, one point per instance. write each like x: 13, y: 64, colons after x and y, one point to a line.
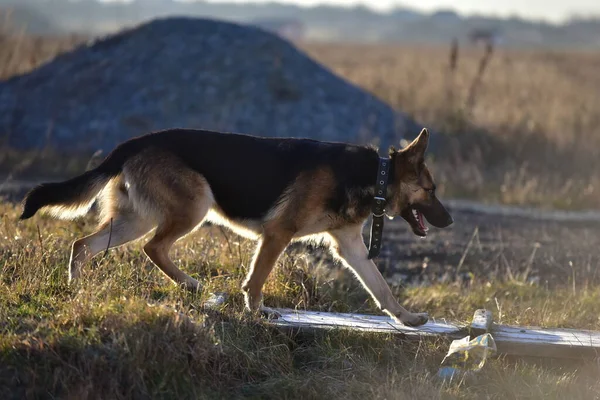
x: 247, y: 229
x: 305, y: 211
x: 298, y: 215
x: 413, y: 189
x: 155, y: 190
x: 273, y: 242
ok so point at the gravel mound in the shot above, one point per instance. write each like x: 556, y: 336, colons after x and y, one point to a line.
x: 193, y: 73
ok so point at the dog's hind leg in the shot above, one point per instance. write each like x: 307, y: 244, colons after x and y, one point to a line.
x: 350, y: 247
x: 189, y: 207
x: 122, y: 228
x: 178, y: 198
x: 157, y: 249
x: 120, y: 224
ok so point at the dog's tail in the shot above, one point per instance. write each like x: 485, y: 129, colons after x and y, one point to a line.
x: 74, y: 197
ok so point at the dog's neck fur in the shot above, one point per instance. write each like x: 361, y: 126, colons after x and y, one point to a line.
x: 360, y: 199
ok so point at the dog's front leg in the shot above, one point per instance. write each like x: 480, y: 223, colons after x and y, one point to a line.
x: 350, y: 248
x: 271, y: 245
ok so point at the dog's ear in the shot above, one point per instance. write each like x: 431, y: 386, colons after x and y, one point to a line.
x: 415, y: 151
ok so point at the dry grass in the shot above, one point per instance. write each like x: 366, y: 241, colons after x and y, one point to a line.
x: 125, y: 332
x: 528, y: 132
x: 20, y: 53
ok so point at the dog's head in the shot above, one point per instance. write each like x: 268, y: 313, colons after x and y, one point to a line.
x: 414, y: 197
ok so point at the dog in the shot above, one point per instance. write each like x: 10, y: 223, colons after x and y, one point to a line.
x: 273, y: 190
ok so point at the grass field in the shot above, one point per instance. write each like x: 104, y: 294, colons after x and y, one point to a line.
x: 527, y: 133
x: 125, y: 332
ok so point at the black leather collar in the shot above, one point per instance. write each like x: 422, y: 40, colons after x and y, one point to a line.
x: 378, y: 208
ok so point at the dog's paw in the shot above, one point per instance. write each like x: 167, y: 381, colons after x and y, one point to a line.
x: 417, y: 319
x: 413, y: 320
x: 191, y: 284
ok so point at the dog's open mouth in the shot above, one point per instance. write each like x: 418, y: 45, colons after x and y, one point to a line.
x: 416, y: 221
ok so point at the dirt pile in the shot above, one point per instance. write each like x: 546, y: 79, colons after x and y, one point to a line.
x: 195, y: 73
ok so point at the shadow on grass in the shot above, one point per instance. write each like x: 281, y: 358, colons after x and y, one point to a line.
x: 158, y: 355
x: 150, y: 354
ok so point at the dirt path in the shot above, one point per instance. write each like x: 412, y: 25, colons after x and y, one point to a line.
x: 486, y: 241
x: 490, y: 245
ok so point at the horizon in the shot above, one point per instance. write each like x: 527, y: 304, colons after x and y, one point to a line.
x: 554, y: 12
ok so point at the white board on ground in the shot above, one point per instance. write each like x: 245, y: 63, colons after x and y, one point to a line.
x: 546, y: 342
x: 371, y: 323
x: 512, y: 340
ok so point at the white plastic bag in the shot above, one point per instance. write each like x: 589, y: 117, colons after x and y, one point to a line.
x: 467, y: 355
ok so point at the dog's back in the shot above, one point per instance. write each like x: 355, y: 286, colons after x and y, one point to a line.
x: 247, y: 174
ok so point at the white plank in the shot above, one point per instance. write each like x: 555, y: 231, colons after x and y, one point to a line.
x: 543, y: 342
x: 512, y: 340
x: 371, y: 323
x: 563, y: 337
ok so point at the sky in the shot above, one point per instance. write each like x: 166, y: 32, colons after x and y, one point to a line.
x: 550, y: 10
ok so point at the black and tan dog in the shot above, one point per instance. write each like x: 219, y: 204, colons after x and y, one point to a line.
x: 276, y: 190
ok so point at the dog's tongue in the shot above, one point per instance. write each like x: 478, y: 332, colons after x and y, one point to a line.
x: 420, y: 220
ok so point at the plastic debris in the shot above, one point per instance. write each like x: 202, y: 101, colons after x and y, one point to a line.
x: 467, y: 356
